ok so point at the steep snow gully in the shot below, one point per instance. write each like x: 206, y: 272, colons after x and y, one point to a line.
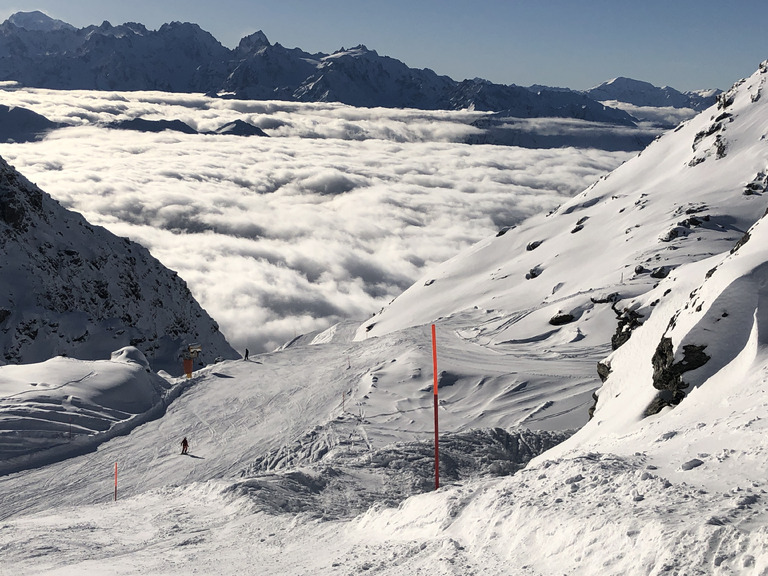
x: 315, y: 458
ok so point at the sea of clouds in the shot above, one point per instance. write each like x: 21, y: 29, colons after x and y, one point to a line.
x: 330, y: 218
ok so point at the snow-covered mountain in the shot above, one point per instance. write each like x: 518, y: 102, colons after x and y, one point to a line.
x: 646, y: 94
x: 71, y: 289
x: 592, y: 270
x: 643, y: 246
x: 662, y: 107
x: 175, y: 58
x: 38, y: 21
x: 181, y: 57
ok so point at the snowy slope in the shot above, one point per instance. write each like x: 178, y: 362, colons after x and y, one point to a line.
x: 64, y: 407
x: 691, y: 194
x: 576, y: 282
x: 702, y: 351
x: 69, y: 288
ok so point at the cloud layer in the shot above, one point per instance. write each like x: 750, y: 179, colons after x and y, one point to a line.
x: 330, y: 218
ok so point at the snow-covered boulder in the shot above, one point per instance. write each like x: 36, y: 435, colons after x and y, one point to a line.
x: 130, y: 354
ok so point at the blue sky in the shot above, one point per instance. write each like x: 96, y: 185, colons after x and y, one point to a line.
x: 578, y: 44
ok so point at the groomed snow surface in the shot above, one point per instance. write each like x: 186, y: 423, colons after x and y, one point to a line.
x: 315, y: 459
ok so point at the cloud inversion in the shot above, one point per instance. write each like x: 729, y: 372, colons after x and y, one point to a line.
x: 330, y: 218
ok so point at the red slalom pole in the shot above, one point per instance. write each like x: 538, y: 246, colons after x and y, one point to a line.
x: 115, y: 481
x: 434, y: 371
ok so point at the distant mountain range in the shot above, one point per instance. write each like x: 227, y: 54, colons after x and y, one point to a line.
x: 38, y: 51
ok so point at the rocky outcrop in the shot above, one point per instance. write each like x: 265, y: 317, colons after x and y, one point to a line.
x: 629, y: 320
x: 561, y: 319
x: 667, y: 374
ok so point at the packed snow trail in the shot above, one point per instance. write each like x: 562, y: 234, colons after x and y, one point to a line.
x: 235, y: 412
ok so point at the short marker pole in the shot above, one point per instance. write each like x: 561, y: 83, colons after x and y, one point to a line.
x: 434, y: 371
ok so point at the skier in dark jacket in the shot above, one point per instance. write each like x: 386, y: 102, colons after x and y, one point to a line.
x: 184, y: 445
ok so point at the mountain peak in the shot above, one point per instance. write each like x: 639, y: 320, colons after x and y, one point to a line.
x: 253, y: 42
x: 624, y: 82
x: 38, y: 21
x: 359, y: 50
x: 640, y: 93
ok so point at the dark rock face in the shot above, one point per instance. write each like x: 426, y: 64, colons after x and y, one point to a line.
x: 628, y: 321
x: 603, y: 370
x: 534, y: 272
x: 592, y: 408
x: 241, y: 128
x: 660, y: 272
x: 667, y: 375
x: 691, y: 464
x: 15, y: 207
x: 561, y: 319
x: 758, y: 186
x: 22, y: 125
x: 611, y: 298
x: 744, y: 239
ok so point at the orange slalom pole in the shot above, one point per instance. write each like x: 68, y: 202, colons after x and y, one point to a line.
x: 434, y: 371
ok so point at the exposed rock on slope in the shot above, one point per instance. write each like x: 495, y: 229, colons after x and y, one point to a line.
x: 69, y: 288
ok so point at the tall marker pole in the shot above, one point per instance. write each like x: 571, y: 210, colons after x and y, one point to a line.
x: 434, y: 371
x: 115, y: 481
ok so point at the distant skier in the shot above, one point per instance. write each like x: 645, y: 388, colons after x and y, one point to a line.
x: 246, y: 354
x: 184, y: 445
